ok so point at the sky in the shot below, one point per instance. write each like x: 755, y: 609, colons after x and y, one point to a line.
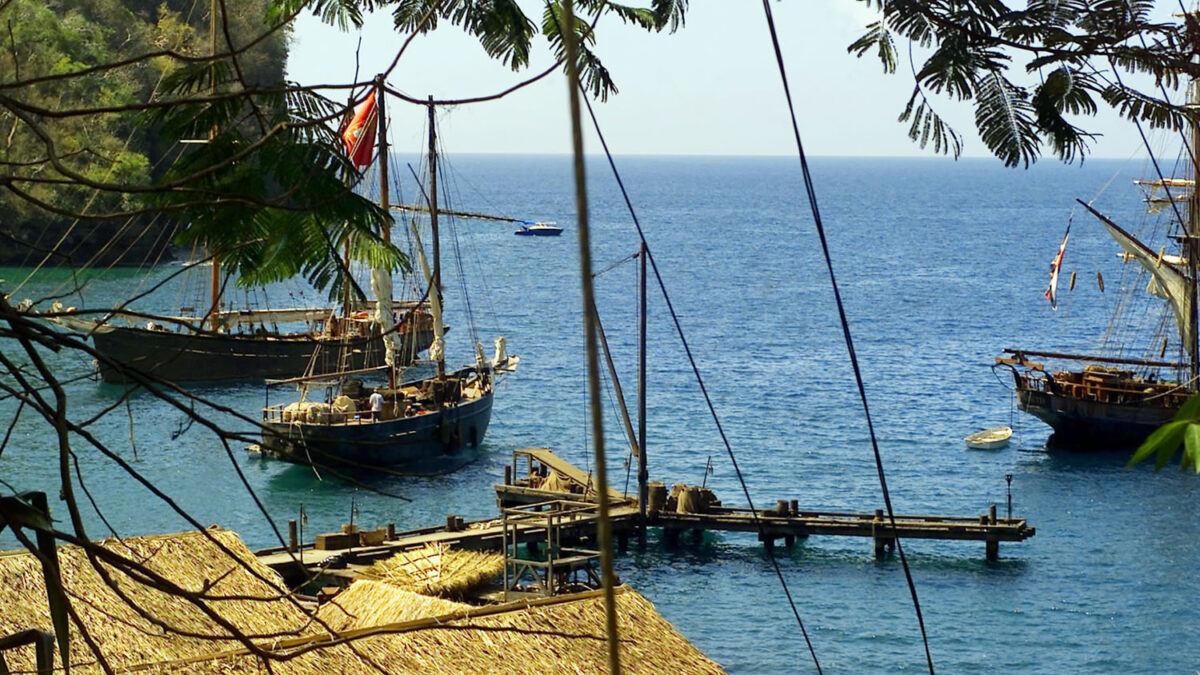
x: 712, y: 88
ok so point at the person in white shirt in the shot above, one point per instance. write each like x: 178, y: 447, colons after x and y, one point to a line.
x: 376, y: 401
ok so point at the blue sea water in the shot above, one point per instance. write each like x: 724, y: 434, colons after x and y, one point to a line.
x: 941, y: 264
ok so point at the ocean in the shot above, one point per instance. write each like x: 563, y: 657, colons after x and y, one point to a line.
x: 941, y: 264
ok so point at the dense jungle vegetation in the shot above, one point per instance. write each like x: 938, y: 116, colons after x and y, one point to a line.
x: 44, y: 40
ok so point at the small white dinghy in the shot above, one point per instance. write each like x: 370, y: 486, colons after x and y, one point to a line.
x: 989, y: 439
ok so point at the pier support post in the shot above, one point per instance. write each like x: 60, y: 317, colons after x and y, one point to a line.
x: 885, y: 540
x: 992, y: 549
x: 623, y: 541
x: 884, y: 546
x: 293, y: 539
x: 789, y: 541
x: 671, y: 535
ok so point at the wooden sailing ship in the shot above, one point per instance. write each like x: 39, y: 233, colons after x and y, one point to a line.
x: 393, y: 424
x: 239, y: 344
x: 1115, y: 402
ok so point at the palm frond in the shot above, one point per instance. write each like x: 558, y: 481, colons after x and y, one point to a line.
x: 1065, y: 91
x: 926, y: 126
x: 1004, y: 119
x: 878, y: 38
x: 341, y: 13
x: 592, y: 72
x: 1135, y: 105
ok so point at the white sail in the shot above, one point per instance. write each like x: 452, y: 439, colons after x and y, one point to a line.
x: 381, y: 286
x: 1168, y: 281
x: 437, y: 347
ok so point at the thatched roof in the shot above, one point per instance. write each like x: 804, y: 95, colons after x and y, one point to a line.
x: 192, y: 560
x: 375, y: 603
x: 563, y: 634
x: 439, y: 570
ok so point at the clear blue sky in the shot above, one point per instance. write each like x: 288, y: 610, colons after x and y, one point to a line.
x: 710, y: 89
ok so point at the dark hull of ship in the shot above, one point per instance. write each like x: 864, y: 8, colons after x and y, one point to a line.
x: 390, y: 443
x: 182, y: 357
x: 1090, y: 425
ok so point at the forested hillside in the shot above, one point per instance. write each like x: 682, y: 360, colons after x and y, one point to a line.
x: 45, y: 46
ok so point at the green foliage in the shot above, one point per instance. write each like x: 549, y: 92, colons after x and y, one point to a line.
x: 1004, y: 118
x: 1075, y: 52
x: 506, y: 33
x: 926, y: 127
x: 76, y: 155
x: 1065, y: 92
x: 344, y: 14
x: 271, y: 191
x: 1182, y: 432
x: 117, y: 114
x: 879, y: 39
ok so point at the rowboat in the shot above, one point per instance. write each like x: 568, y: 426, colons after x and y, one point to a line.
x: 989, y: 439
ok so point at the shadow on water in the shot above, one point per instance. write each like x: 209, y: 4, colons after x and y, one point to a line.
x: 302, y: 477
x: 1060, y: 460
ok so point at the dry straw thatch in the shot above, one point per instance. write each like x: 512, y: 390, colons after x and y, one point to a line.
x: 438, y: 570
x: 375, y: 603
x: 191, y: 560
x: 564, y: 634
x: 553, y: 635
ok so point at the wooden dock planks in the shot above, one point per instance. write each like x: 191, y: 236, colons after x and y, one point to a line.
x: 784, y: 522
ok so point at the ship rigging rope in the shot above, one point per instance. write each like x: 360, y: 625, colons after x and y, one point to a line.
x: 1191, y: 152
x: 449, y: 180
x: 700, y: 380
x: 862, y: 392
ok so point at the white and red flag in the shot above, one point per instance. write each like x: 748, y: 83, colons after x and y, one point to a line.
x: 1052, y: 289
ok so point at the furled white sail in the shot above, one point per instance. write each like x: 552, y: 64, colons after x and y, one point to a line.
x: 1168, y: 281
x: 437, y: 347
x: 381, y: 286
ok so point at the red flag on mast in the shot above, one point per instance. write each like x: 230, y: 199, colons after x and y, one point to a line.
x: 359, y: 133
x: 1052, y: 290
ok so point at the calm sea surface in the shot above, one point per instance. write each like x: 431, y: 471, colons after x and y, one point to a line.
x: 942, y: 265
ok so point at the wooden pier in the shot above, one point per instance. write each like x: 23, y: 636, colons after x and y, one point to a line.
x: 551, y: 484
x: 547, y: 476
x: 771, y: 526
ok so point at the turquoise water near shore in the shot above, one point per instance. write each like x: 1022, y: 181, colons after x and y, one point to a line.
x: 941, y: 265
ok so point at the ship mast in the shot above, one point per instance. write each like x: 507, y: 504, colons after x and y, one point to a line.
x: 383, y: 301
x: 215, y: 279
x: 1192, y: 227
x: 435, y: 285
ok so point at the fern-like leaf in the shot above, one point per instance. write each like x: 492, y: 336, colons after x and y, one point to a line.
x: 1135, y: 105
x: 926, y: 126
x: 1004, y: 119
x: 879, y: 39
